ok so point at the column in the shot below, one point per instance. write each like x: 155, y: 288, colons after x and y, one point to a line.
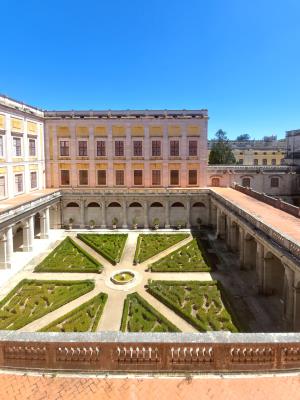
x: 28, y: 234
x: 188, y: 213
x: 124, y: 205
x: 128, y: 170
x: 45, y: 223
x: 82, y: 214
x: 228, y: 231
x: 3, y: 248
x: 218, y: 228
x: 6, y: 248
x: 167, y: 214
x: 260, y: 266
x: 296, y: 309
x: 242, y: 247
x: 103, y: 215
x: 9, y: 246
x: 110, y: 154
x: 289, y: 298
x: 146, y: 222
x: 54, y: 162
x: 92, y: 170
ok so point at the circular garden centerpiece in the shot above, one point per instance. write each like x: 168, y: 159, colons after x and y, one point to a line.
x: 122, y: 277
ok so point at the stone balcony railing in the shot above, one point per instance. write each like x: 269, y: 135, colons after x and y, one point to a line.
x: 140, y: 191
x: 150, y: 352
x: 257, y: 168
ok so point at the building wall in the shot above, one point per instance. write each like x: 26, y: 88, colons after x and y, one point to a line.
x: 20, y: 127
x: 110, y: 130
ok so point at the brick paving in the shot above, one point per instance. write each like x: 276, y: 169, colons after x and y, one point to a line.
x: 47, y: 387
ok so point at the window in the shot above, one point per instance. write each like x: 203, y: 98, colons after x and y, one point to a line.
x: 83, y: 177
x: 193, y: 148
x: 82, y: 148
x: 264, y: 161
x: 137, y: 177
x: 255, y: 161
x: 241, y: 153
x: 64, y: 149
x: 2, y: 186
x: 18, y: 183
x: 215, y: 182
x: 101, y: 177
x: 274, y: 182
x: 119, y: 148
x: 246, y: 182
x: 156, y: 148
x: 273, y: 161
x: 101, y: 151
x: 32, y: 148
x: 282, y: 161
x: 137, y: 148
x: 17, y: 147
x: 65, y: 177
x: 1, y: 146
x: 174, y: 177
x: 33, y: 180
x: 120, y: 177
x: 192, y: 177
x: 241, y: 161
x: 156, y: 177
x: 255, y: 153
x: 174, y: 148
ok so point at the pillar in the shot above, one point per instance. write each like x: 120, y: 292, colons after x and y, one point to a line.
x: 242, y: 247
x: 103, y: 215
x: 45, y: 223
x: 125, y: 225
x: 9, y: 246
x: 3, y: 250
x: 82, y: 214
x: 260, y: 266
x: 146, y: 220
x: 167, y: 214
x: 228, y: 231
x: 28, y: 234
x: 188, y: 213
x: 296, y: 309
x: 288, y: 297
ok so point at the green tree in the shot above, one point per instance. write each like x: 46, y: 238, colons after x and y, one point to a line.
x: 221, y: 152
x: 243, y: 138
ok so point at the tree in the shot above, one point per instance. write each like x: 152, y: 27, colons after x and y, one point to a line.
x: 221, y: 152
x: 244, y: 137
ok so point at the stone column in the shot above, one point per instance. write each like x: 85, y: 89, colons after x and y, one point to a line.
x: 45, y: 223
x: 242, y: 247
x: 146, y: 222
x: 9, y: 246
x: 228, y: 231
x: 82, y: 214
x: 167, y: 214
x: 188, y: 213
x: 92, y: 152
x: 218, y: 227
x: 296, y: 309
x: 103, y: 214
x: 3, y: 249
x: 288, y: 296
x: 28, y: 234
x: 260, y: 266
x: 125, y: 226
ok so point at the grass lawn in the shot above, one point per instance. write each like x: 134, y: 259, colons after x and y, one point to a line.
x: 68, y: 257
x: 84, y: 318
x: 32, y: 299
x: 140, y: 316
x: 199, y: 303
x: 152, y: 244
x: 110, y: 246
x: 189, y: 258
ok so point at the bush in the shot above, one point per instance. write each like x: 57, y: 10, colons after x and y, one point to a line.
x: 110, y: 246
x: 152, y: 244
x: 69, y: 257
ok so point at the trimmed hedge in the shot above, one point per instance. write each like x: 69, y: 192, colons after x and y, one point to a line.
x: 84, y: 318
x: 140, y: 316
x: 32, y: 299
x: 110, y: 246
x: 199, y: 303
x: 189, y: 258
x: 69, y: 257
x: 152, y: 244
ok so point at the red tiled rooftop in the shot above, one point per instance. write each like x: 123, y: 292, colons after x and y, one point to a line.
x: 244, y: 387
x: 24, y: 198
x: 280, y: 221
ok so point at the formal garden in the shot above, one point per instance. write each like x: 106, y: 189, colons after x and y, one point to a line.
x: 69, y: 257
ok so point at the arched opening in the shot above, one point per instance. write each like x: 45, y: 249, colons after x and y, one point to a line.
x: 71, y: 213
x: 198, y: 214
x: 135, y: 204
x: 72, y: 204
x: 18, y: 238
x: 177, y: 204
x: 250, y: 252
x: 93, y: 204
x: 156, y: 204
x: 114, y: 204
x: 215, y: 182
x: 198, y: 204
x: 114, y: 214
x: 37, y: 225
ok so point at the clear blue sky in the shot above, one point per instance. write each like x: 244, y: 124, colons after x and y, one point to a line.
x: 240, y: 59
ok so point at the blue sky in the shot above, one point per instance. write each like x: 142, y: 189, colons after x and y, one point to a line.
x: 240, y: 59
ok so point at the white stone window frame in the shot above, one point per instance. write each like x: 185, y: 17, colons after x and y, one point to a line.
x: 87, y: 146
x: 37, y: 179
x: 114, y: 147
x: 179, y: 178
x: 35, y: 146
x: 23, y: 183
x: 99, y: 139
x: 178, y: 139
x: 157, y: 139
x: 62, y: 139
x: 279, y: 181
x: 13, y: 146
x: 137, y: 139
x: 5, y: 186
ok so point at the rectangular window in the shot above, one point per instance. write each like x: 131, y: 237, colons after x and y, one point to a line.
x: 32, y: 148
x: 241, y: 161
x: 156, y: 177
x: 255, y: 161
x: 1, y: 146
x: 101, y: 150
x: 83, y: 177
x: 119, y: 178
x: 33, y: 180
x: 137, y: 177
x: 192, y: 177
x: 82, y: 148
x: 65, y: 177
x: 273, y: 162
x: 174, y: 177
x: 174, y: 148
x: 156, y: 148
x: 264, y: 161
x: 17, y: 147
x: 274, y: 182
x: 18, y: 183
x: 101, y: 177
x: 193, y: 148
x: 64, y: 149
x: 137, y: 148
x: 119, y: 148
x: 2, y: 186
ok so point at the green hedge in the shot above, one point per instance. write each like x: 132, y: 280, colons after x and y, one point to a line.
x: 110, y: 246
x: 152, y: 244
x: 69, y: 257
x: 140, y: 316
x: 84, y: 318
x: 189, y: 258
x: 199, y: 303
x: 32, y: 299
